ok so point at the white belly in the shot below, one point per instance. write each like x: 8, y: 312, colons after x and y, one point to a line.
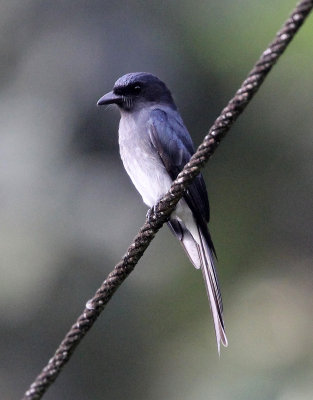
x: 146, y: 172
x: 141, y: 160
x: 152, y: 181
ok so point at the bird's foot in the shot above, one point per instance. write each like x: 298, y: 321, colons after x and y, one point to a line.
x: 150, y: 213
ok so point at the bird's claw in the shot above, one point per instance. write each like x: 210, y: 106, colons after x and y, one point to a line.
x: 150, y: 212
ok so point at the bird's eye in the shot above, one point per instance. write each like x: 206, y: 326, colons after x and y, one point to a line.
x: 137, y: 89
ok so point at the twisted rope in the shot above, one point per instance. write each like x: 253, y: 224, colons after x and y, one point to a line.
x: 162, y: 210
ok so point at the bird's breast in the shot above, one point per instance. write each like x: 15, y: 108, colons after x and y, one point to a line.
x: 142, y: 162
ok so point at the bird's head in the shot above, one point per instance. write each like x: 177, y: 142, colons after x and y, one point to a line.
x: 137, y: 89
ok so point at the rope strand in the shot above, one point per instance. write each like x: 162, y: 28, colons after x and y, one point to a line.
x: 162, y: 210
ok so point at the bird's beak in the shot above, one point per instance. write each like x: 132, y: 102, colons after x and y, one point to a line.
x: 109, y: 98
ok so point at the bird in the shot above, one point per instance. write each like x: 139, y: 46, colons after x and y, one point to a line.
x: 154, y: 147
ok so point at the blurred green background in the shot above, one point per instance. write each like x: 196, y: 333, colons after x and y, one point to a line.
x: 68, y: 209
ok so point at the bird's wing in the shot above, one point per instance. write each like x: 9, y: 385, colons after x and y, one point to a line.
x: 172, y: 142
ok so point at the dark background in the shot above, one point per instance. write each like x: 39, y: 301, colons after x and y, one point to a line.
x: 68, y: 209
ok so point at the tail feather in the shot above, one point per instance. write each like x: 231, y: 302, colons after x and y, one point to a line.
x: 201, y: 256
x: 213, y: 291
x: 191, y: 248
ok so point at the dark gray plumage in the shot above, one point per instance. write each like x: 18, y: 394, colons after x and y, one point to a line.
x: 154, y: 146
